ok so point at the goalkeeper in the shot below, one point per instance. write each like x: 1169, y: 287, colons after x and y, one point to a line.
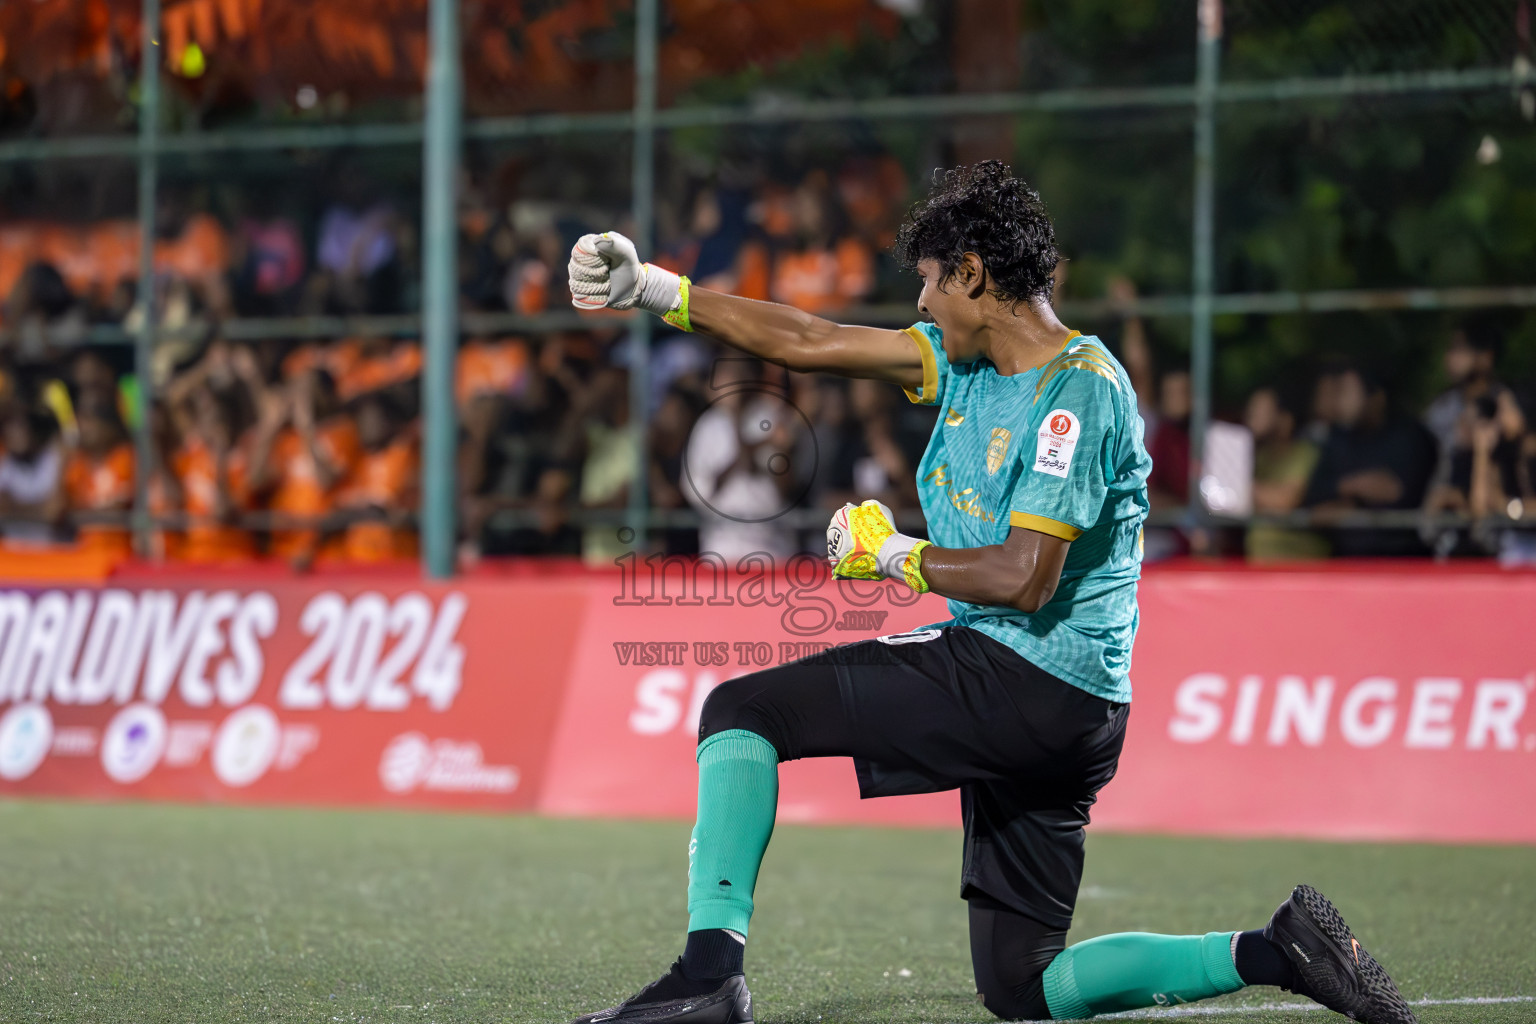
x: 1034, y: 490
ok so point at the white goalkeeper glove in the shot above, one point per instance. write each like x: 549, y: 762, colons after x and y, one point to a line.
x: 862, y: 544
x: 605, y: 270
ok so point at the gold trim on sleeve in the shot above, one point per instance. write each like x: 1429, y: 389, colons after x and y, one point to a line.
x: 1040, y: 524
x: 930, y: 392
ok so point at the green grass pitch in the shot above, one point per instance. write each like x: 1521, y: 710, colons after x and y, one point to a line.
x: 171, y: 913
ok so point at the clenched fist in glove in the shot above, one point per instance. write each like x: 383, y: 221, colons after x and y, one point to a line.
x: 862, y: 544
x: 605, y: 270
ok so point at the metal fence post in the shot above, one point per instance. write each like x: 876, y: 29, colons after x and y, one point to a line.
x: 642, y: 208
x: 1201, y: 341
x: 440, y: 288
x: 144, y: 344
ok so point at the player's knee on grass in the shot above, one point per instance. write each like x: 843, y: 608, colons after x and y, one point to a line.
x: 1009, y: 954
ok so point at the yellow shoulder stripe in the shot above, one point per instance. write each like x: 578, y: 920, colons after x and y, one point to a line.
x: 930, y: 393
x: 1075, y: 363
x: 1041, y: 524
x: 1089, y: 352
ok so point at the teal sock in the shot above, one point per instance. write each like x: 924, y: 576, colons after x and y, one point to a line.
x: 1134, y: 969
x: 738, y: 797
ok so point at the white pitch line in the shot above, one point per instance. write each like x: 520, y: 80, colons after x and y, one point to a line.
x: 1214, y: 1011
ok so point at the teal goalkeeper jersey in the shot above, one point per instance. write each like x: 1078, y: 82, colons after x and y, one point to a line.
x: 1057, y: 449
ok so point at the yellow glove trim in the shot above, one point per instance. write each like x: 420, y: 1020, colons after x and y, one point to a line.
x: 912, y: 567
x: 679, y: 317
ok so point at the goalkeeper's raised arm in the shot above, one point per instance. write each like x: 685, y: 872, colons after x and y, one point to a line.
x: 605, y: 271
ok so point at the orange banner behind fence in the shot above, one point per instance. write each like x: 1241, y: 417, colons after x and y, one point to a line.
x: 1370, y: 704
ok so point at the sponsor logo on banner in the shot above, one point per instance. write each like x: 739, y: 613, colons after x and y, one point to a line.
x: 412, y: 762
x: 1056, y: 442
x: 133, y: 743
x: 26, y: 734
x: 246, y: 745
x: 1418, y: 714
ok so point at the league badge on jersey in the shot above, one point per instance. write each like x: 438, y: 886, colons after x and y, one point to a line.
x: 1055, y: 443
x: 997, y: 449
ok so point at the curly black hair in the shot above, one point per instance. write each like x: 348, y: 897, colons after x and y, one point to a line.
x: 984, y: 209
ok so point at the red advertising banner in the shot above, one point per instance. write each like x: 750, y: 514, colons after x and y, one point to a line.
x: 1367, y: 704
x: 1360, y: 705
x: 339, y: 692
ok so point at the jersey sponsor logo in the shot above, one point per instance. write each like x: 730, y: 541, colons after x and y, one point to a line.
x: 1056, y: 442
x: 965, y: 500
x: 997, y: 449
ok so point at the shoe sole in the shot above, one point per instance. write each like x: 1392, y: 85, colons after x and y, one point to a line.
x: 1383, y: 1003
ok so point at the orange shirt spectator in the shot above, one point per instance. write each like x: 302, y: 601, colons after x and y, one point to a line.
x: 381, y: 491
x: 303, y: 491
x: 490, y: 367
x: 99, y: 482
x: 381, y: 366
x: 211, y: 489
x: 201, y: 250
x: 338, y: 358
x: 302, y: 452
x: 821, y: 279
x: 165, y: 542
x: 385, y: 481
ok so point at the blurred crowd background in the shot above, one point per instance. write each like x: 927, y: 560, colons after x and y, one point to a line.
x: 283, y: 400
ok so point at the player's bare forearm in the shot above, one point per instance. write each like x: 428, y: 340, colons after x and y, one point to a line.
x: 800, y: 341
x: 1022, y: 572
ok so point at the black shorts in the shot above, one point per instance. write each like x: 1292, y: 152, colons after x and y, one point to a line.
x: 951, y: 709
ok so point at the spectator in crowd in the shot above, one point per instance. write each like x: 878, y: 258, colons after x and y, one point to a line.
x: 31, y: 498
x: 1479, y: 429
x: 42, y: 317
x: 167, y: 538
x: 357, y: 252
x: 1282, y: 466
x: 1469, y: 366
x: 1135, y: 353
x: 833, y: 444
x: 92, y: 378
x: 817, y: 270
x: 1371, y: 460
x: 670, y: 428
x: 1168, y: 484
x: 480, y: 475
x: 884, y: 466
x: 267, y: 261
x: 731, y: 464
x: 549, y: 532
x: 380, y: 497
x: 212, y: 475
x: 1499, y: 438
x: 98, y: 480
x: 611, y: 445
x: 304, y: 450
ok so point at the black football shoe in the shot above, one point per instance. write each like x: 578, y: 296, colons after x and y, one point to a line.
x: 676, y: 997
x: 1330, y: 966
